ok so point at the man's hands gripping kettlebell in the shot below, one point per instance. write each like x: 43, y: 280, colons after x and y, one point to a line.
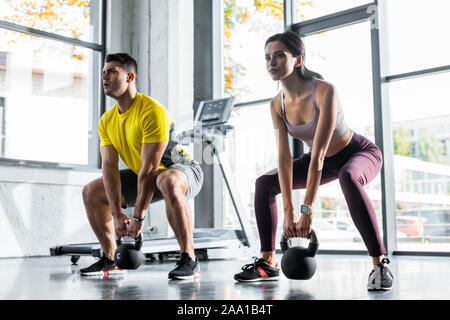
x: 121, y: 222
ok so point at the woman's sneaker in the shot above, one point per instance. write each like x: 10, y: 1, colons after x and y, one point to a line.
x: 381, y: 277
x: 258, y: 271
x: 103, y: 266
x: 186, y: 268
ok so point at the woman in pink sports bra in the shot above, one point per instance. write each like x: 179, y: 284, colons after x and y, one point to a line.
x: 308, y: 108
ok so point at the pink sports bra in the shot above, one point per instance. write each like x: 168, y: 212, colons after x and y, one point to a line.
x: 306, y: 131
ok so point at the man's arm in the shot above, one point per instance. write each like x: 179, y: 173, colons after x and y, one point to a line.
x: 111, y: 177
x: 151, y: 155
x: 112, y: 183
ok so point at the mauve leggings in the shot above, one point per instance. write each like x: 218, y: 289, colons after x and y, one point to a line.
x: 355, y: 166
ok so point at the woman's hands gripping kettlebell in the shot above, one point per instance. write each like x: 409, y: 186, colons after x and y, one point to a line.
x: 304, y: 225
x: 290, y: 224
x: 297, y: 228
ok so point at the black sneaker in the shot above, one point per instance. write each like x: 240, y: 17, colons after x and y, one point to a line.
x: 258, y: 271
x: 103, y: 266
x: 381, y: 277
x: 186, y: 268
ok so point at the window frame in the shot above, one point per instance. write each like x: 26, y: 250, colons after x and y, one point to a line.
x: 94, y: 158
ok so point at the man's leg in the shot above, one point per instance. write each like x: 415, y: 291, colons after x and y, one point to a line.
x: 99, y: 215
x: 173, y: 184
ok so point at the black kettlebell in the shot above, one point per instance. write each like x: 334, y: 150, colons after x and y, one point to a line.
x: 129, y: 255
x: 298, y: 262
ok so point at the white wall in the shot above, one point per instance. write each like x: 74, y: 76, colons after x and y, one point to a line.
x: 41, y: 208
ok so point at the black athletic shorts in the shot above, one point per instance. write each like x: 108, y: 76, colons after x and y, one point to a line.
x: 192, y: 171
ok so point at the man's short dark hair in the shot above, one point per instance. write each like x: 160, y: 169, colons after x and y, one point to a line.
x: 126, y: 61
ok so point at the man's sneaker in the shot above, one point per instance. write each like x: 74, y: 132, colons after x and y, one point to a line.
x: 381, y: 277
x: 102, y: 267
x: 186, y: 268
x: 258, y: 271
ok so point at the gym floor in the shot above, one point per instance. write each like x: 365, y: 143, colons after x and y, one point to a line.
x: 338, y: 277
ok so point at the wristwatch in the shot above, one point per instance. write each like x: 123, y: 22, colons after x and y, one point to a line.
x: 306, y: 209
x: 137, y: 219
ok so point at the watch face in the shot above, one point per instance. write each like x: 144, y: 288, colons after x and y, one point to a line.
x: 305, y: 209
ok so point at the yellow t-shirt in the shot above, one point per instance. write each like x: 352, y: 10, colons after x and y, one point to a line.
x: 147, y: 121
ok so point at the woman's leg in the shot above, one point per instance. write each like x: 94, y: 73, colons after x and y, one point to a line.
x: 267, y: 187
x: 359, y: 170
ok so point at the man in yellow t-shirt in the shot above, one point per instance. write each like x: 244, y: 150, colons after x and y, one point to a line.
x: 139, y: 130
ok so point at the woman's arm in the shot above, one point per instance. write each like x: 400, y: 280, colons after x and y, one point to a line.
x: 327, y: 103
x: 284, y: 167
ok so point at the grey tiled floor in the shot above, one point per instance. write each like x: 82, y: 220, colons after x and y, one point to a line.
x: 338, y: 277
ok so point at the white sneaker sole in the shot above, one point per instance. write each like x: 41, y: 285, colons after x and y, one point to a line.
x: 103, y: 273
x: 194, y: 276
x: 373, y: 288
x: 260, y: 279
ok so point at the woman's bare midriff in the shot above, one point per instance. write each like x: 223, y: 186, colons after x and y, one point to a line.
x: 340, y: 144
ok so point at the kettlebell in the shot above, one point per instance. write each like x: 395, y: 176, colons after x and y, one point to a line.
x: 298, y: 262
x: 129, y: 255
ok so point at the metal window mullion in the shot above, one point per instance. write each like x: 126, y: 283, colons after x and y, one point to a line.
x: 103, y: 51
x: 288, y: 13
x: 97, y: 97
x: 383, y: 125
x: 251, y: 103
x: 49, y: 35
x: 422, y: 253
x: 417, y: 73
x: 335, y: 20
x: 101, y: 99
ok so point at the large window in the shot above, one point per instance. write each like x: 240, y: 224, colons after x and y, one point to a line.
x: 50, y: 60
x: 345, y: 47
x: 419, y: 104
x: 421, y: 124
x: 343, y: 57
x: 247, y: 25
x: 350, y: 69
x: 78, y: 19
x: 418, y: 34
x: 249, y: 158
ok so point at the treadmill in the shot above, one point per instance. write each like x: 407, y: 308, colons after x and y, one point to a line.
x: 210, y: 129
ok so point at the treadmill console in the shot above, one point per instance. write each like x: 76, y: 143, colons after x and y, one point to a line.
x: 213, y: 112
